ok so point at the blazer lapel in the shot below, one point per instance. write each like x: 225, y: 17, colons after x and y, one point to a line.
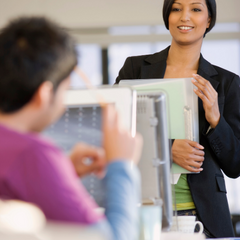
x: 156, y: 70
x: 155, y: 65
x: 207, y: 71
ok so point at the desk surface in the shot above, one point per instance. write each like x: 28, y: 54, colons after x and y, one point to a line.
x: 75, y: 232
x: 184, y: 236
x: 181, y: 236
x: 57, y: 231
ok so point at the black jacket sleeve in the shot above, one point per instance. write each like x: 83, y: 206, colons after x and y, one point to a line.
x: 225, y: 138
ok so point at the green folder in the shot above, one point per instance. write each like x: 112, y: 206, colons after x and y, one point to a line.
x: 182, y: 107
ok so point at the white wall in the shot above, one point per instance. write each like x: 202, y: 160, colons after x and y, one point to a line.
x: 103, y: 13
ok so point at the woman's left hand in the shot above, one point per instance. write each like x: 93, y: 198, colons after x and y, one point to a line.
x: 209, y: 97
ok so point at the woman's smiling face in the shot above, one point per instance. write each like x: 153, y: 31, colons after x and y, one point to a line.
x: 188, y: 21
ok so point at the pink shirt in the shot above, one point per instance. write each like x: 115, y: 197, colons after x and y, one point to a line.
x: 34, y: 170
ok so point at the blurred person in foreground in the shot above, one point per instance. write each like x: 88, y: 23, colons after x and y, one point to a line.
x: 36, y: 59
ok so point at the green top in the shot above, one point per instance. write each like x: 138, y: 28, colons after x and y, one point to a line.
x: 183, y: 195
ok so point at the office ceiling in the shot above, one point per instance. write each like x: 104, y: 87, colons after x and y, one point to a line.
x: 78, y: 14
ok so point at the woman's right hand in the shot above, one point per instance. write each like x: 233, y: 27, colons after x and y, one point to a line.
x: 117, y: 141
x: 188, y: 154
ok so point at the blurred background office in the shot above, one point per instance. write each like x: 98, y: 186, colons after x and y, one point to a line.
x: 108, y: 31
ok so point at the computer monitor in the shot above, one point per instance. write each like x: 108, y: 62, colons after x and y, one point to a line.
x: 154, y: 164
x: 82, y: 122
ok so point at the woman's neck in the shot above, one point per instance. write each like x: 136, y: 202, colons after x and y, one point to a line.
x: 185, y: 57
x: 182, y: 61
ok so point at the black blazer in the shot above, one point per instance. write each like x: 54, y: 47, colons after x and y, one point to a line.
x: 222, y: 144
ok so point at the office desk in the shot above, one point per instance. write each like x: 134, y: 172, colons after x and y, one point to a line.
x: 56, y: 231
x: 181, y: 236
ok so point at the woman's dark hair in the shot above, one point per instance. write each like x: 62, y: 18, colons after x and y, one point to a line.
x: 212, y: 12
x: 32, y: 50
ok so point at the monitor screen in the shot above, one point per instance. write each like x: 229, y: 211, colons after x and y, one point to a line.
x: 82, y: 122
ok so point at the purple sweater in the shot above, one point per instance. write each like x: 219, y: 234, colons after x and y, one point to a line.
x: 34, y: 170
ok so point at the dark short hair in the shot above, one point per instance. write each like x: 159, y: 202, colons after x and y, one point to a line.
x: 212, y: 12
x: 32, y: 50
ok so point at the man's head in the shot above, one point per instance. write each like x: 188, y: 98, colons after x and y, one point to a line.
x: 33, y: 50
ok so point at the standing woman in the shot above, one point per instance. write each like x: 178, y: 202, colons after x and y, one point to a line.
x: 203, y: 194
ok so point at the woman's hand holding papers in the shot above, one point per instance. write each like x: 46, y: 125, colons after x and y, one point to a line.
x: 209, y: 97
x: 188, y: 154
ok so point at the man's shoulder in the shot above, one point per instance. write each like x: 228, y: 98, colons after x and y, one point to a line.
x: 20, y: 145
